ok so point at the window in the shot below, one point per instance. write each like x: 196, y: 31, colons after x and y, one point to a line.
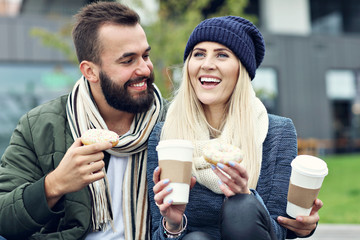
x: 26, y: 85
x: 266, y: 87
x: 340, y: 84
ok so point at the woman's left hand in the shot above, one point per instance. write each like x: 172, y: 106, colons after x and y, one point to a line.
x: 237, y: 180
x: 303, y: 225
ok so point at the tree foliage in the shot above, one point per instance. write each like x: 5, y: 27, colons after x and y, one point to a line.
x: 60, y: 40
x: 167, y: 35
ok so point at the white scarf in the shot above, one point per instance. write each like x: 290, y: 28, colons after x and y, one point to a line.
x: 202, y: 169
x: 82, y: 115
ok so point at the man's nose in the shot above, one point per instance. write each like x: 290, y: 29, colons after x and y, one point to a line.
x: 144, y: 68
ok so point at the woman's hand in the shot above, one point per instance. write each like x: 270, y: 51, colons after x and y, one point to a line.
x: 303, y: 225
x: 173, y: 214
x: 237, y: 180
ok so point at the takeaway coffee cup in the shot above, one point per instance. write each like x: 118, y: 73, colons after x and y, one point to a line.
x: 307, y: 175
x: 175, y: 160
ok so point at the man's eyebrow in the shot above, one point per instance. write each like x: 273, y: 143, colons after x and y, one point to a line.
x: 129, y: 54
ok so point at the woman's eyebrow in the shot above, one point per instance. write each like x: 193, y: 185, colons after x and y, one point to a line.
x: 216, y: 50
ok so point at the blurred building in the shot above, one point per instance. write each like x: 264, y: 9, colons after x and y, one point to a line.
x: 31, y: 73
x: 311, y: 71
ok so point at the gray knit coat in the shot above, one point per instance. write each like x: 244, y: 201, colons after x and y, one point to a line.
x: 203, y: 209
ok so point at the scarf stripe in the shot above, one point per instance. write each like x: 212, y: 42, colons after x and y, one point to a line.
x: 132, y: 206
x: 82, y: 115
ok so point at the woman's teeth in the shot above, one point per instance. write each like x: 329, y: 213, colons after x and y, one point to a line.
x: 209, y: 80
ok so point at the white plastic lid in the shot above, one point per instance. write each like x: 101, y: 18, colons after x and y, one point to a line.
x: 310, y: 166
x: 175, y: 143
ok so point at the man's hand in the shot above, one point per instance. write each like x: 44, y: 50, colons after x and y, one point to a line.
x: 80, y: 166
x: 303, y: 225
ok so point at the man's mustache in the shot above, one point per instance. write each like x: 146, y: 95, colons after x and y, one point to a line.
x: 149, y: 80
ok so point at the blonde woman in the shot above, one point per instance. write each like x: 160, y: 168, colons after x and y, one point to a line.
x: 216, y: 103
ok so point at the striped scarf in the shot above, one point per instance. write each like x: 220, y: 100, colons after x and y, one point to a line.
x: 82, y: 115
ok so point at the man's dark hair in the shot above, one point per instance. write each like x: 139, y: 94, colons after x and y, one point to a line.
x: 88, y: 21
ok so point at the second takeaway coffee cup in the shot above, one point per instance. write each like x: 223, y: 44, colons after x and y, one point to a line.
x: 175, y: 160
x: 307, y: 175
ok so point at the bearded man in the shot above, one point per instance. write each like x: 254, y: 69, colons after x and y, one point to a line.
x: 54, y: 187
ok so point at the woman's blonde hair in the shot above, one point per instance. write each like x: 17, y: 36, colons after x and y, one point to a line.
x: 185, y: 119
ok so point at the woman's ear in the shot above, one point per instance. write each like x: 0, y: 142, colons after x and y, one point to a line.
x: 90, y: 71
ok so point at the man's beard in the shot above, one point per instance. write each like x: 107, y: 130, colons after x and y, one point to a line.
x: 119, y: 98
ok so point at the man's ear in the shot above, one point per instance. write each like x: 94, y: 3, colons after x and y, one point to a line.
x: 90, y: 71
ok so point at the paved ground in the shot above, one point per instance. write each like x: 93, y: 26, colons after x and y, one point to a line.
x: 336, y: 232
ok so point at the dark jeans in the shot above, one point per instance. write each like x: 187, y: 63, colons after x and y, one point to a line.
x: 243, y: 217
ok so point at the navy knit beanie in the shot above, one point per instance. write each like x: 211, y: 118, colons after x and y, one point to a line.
x: 236, y: 33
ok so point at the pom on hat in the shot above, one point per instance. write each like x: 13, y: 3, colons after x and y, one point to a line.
x: 236, y: 33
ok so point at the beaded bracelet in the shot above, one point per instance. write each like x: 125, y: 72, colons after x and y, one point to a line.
x: 169, y: 234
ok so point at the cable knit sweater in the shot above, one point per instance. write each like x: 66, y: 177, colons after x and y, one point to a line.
x: 203, y: 209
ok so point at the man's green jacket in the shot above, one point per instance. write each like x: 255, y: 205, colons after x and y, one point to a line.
x: 37, y: 146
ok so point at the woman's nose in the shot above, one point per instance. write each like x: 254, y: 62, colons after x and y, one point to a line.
x: 208, y: 64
